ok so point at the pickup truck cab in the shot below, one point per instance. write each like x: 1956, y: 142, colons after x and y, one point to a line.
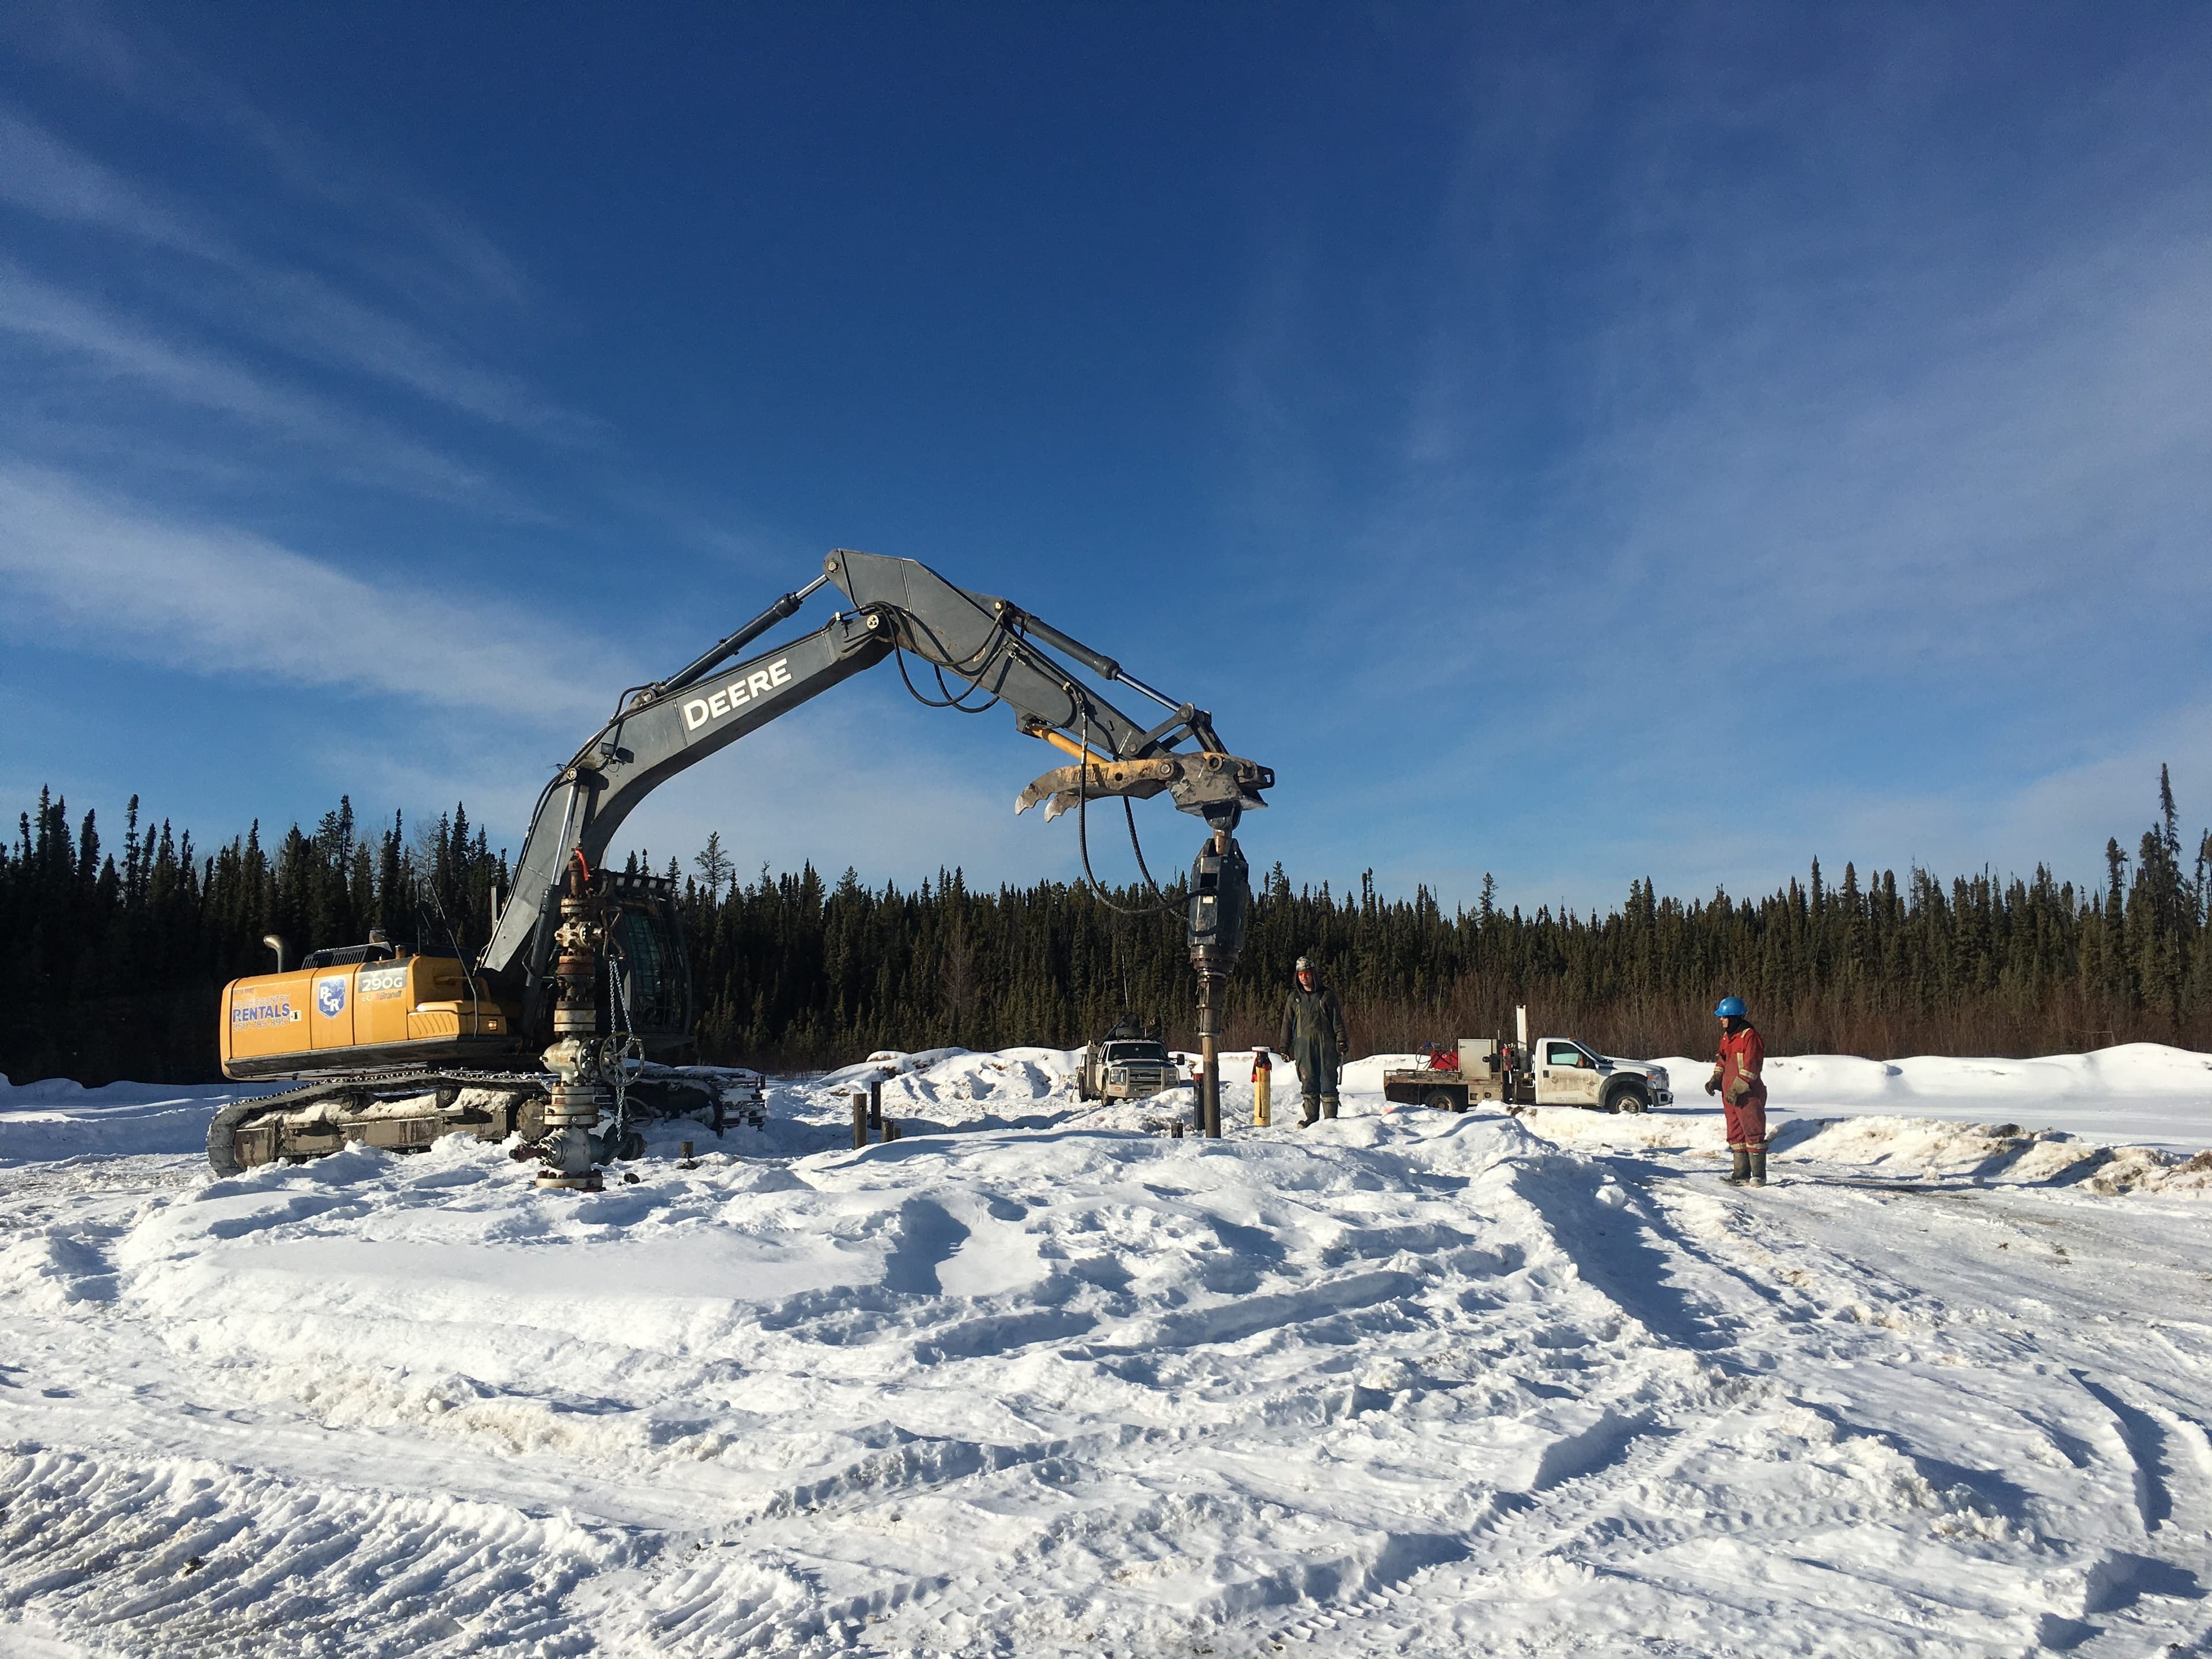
x: 1570, y: 1073
x: 1126, y: 1068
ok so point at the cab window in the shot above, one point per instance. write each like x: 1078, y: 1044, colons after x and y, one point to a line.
x: 1564, y: 1054
x: 653, y: 984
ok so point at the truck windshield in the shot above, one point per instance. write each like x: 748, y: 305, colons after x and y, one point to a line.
x: 1117, y: 1052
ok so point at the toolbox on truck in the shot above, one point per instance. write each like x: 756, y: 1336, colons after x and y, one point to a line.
x: 1550, y: 1072
x: 1471, y: 1070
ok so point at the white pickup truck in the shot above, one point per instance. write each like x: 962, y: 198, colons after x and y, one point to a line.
x: 1549, y: 1071
x: 1570, y: 1073
x: 1123, y: 1065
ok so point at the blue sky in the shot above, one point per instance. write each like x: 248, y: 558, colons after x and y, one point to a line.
x: 1579, y: 443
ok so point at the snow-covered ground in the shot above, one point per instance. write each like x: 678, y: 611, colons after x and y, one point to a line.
x: 1039, y: 1379
x: 2138, y: 1093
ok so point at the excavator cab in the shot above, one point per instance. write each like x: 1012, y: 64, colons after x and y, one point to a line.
x: 648, y: 968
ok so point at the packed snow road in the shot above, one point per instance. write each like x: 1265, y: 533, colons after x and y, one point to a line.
x: 1038, y: 1379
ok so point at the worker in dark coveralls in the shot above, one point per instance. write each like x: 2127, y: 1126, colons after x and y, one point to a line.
x: 1742, y: 1091
x: 1315, y: 1037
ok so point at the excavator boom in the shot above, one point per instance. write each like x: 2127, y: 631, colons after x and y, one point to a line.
x: 900, y: 605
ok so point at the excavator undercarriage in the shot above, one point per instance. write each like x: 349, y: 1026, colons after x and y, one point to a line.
x: 406, y: 1111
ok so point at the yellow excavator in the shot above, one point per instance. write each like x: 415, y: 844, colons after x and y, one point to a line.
x: 581, y: 1001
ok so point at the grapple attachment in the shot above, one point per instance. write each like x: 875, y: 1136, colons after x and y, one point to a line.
x: 1209, y: 784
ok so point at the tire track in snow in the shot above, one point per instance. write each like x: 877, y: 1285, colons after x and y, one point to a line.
x: 1587, y: 1476
x: 1906, y: 1630
x: 194, y: 1558
x: 1343, y: 1579
x: 1399, y: 1389
x: 2143, y: 1439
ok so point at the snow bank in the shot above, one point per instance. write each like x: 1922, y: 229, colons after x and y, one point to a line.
x: 1038, y: 1378
x: 1880, y: 1148
x: 2139, y: 1093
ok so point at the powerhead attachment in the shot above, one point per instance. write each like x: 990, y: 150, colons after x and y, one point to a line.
x: 1220, y: 907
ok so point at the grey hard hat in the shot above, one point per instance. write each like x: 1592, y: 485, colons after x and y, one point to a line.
x: 1305, y: 966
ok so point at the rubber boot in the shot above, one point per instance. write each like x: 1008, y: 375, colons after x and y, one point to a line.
x: 1741, y: 1172
x: 1759, y: 1166
x: 1328, y: 1108
x: 1312, y: 1115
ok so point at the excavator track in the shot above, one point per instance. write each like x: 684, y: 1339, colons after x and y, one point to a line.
x: 408, y: 1110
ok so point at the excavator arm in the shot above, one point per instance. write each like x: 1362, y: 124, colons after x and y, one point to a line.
x: 994, y: 646
x: 988, y: 644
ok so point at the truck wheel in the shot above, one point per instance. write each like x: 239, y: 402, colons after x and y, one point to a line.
x: 1444, y: 1100
x: 1627, y: 1099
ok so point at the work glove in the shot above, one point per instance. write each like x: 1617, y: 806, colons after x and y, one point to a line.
x: 1713, y: 1084
x: 1739, y: 1092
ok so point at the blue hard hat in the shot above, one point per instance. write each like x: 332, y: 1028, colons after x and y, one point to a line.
x: 1730, y: 1008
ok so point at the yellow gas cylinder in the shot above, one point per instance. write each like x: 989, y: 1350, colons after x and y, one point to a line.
x: 1263, y: 1072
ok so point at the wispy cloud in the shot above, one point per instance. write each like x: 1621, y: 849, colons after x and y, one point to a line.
x: 1759, y: 401
x: 298, y: 311
x: 864, y: 778
x: 435, y: 251
x: 317, y: 321
x: 116, y: 579
x: 351, y: 445
x: 42, y: 175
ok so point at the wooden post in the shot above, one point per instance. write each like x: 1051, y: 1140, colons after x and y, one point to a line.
x: 876, y: 1104
x: 1263, y: 1076
x: 860, y: 1120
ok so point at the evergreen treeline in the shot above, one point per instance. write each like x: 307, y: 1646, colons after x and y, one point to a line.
x: 110, y: 963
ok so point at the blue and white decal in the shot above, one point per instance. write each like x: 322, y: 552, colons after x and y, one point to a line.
x: 330, y: 996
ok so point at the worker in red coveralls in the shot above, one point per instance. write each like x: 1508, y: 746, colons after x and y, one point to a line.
x: 1737, y: 1081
